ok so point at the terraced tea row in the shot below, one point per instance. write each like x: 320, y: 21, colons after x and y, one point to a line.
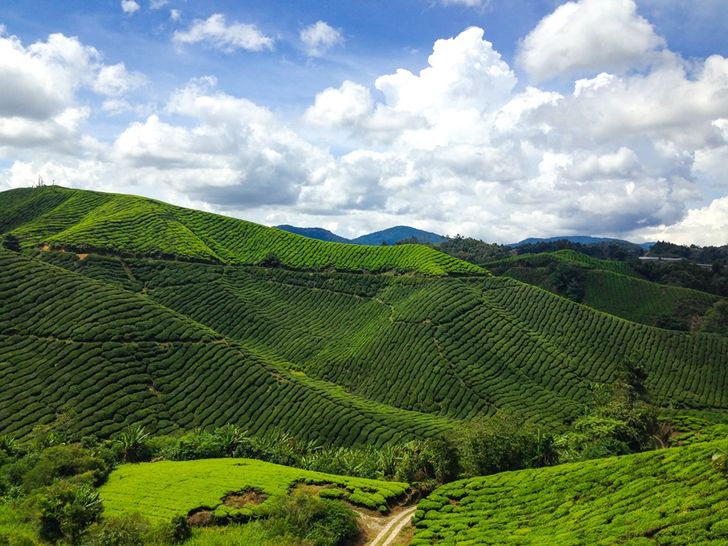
x: 114, y: 357
x: 612, y: 287
x: 673, y: 496
x: 109, y: 223
x: 454, y: 347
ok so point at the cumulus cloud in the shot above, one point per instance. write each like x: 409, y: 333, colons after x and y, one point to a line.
x: 588, y: 36
x: 115, y: 80
x: 458, y: 146
x: 158, y: 4
x: 129, y: 6
x: 175, y: 14
x: 215, y: 31
x: 707, y: 225
x: 319, y: 37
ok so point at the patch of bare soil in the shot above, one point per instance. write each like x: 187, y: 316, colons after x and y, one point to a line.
x: 201, y: 517
x: 82, y: 256
x: 241, y: 498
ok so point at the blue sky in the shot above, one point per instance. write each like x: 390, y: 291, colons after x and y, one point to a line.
x: 314, y: 125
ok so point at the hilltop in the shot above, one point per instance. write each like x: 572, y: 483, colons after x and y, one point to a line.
x: 86, y: 221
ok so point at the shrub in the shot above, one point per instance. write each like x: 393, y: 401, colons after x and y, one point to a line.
x: 500, y: 443
x: 133, y: 444
x: 322, y: 522
x: 131, y: 530
x: 66, y: 510
x: 64, y: 461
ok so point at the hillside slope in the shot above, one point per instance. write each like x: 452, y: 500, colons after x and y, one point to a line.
x: 456, y: 347
x: 612, y: 287
x: 672, y: 496
x: 112, y: 357
x: 90, y: 221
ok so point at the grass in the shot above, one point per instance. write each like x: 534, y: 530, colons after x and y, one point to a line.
x: 673, y: 496
x: 165, y: 489
x: 128, y: 225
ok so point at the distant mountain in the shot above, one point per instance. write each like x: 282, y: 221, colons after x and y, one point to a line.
x: 580, y: 239
x: 396, y: 234
x: 314, y: 233
x: 388, y: 236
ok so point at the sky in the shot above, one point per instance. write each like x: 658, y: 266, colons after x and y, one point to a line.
x: 495, y: 119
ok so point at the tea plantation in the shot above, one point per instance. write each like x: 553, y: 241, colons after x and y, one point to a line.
x: 90, y: 221
x: 673, y: 496
x: 610, y: 286
x: 348, y: 358
x: 165, y: 489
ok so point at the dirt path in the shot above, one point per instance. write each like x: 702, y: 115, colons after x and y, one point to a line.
x: 389, y: 532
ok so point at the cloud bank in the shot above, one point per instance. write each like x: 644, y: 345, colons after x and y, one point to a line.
x: 631, y: 148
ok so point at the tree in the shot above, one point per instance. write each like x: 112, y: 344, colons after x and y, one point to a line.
x: 11, y: 242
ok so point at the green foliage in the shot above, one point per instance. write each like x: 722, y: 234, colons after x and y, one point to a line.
x: 66, y: 510
x: 500, y: 443
x: 322, y: 522
x: 166, y: 489
x: 85, y: 221
x: 672, y: 496
x: 716, y: 320
x: 133, y: 444
x: 126, y: 530
x: 64, y: 461
x: 609, y: 286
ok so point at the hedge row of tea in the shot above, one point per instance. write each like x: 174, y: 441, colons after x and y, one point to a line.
x: 611, y: 286
x: 165, y: 489
x: 457, y: 347
x: 89, y: 221
x: 116, y: 358
x: 673, y: 496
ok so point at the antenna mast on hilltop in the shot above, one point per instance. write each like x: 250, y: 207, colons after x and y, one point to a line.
x: 40, y: 183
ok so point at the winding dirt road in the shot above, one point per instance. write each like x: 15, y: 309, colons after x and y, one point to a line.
x: 389, y: 532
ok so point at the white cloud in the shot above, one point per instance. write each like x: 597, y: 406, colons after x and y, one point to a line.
x: 158, y: 4
x: 588, y: 36
x: 319, y: 37
x: 129, y: 6
x: 225, y: 37
x: 40, y: 81
x: 707, y: 226
x: 456, y: 147
x: 175, y: 14
x: 115, y: 80
x: 345, y: 105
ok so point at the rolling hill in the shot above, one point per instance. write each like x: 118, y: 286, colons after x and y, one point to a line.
x: 343, y: 357
x: 88, y: 221
x: 612, y: 287
x: 673, y: 496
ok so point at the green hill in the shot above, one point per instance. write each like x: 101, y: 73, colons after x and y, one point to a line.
x: 610, y: 286
x: 673, y: 496
x: 84, y: 221
x: 114, y: 357
x: 337, y: 357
